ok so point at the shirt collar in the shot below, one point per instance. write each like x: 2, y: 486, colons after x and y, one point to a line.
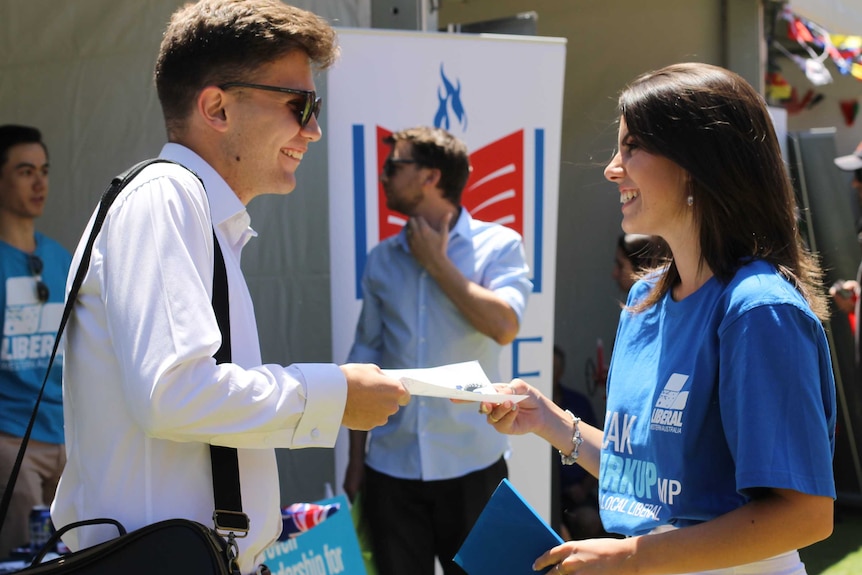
x: 462, y: 226
x: 228, y: 212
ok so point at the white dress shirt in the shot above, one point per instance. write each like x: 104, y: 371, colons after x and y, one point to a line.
x: 143, y: 396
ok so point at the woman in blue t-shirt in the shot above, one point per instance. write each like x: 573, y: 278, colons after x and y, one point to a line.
x: 719, y: 432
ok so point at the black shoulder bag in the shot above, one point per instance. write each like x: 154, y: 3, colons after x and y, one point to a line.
x: 174, y: 546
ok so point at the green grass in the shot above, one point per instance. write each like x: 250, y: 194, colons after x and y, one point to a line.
x: 850, y: 565
x: 840, y: 554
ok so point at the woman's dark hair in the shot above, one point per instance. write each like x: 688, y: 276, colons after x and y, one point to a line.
x: 715, y: 126
x: 643, y: 252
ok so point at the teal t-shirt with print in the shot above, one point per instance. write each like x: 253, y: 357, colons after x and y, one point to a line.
x: 29, y: 331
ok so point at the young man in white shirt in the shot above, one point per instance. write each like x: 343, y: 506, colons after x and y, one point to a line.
x: 144, y: 396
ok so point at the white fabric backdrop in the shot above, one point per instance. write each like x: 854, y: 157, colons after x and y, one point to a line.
x: 490, y: 106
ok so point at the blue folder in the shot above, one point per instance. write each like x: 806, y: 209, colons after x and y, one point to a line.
x: 508, y: 536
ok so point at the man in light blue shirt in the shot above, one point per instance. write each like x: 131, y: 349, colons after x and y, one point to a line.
x: 446, y: 289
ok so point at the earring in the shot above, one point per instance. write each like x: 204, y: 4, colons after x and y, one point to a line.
x: 690, y: 200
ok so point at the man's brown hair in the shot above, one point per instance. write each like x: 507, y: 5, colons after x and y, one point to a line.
x: 213, y: 42
x: 437, y: 148
x: 13, y: 135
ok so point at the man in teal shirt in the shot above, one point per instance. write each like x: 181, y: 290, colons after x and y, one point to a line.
x: 33, y: 270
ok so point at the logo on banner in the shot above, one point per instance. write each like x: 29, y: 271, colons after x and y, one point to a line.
x: 450, y: 99
x: 496, y: 190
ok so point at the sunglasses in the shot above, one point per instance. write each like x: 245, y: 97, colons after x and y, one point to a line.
x: 391, y: 165
x: 36, y: 267
x: 310, y: 106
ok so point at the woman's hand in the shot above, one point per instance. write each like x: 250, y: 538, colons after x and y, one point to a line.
x: 517, y: 418
x: 537, y: 414
x: 591, y: 557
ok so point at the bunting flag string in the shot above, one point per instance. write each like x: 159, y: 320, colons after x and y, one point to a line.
x: 845, y: 51
x: 818, y: 46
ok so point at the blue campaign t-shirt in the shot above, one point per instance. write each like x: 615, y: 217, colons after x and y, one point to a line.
x: 29, y: 329
x: 727, y: 390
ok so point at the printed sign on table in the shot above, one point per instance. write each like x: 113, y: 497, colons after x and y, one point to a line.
x: 328, y: 548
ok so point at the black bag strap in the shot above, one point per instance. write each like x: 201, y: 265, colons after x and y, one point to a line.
x: 228, y: 516
x: 226, y: 489
x: 55, y: 538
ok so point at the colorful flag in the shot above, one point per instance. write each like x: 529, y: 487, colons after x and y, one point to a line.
x: 300, y: 517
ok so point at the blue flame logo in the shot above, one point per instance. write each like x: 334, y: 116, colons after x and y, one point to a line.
x: 449, y: 99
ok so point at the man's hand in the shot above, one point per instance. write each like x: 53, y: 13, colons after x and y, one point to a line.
x: 427, y: 245
x: 486, y: 311
x: 372, y: 396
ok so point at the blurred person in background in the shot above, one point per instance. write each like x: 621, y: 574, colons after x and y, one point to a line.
x: 448, y: 288
x: 579, y: 504
x: 634, y: 254
x: 845, y: 293
x: 33, y: 270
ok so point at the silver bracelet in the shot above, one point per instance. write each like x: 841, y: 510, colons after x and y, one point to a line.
x: 577, y: 440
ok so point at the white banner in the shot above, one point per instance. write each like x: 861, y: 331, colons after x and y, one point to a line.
x: 502, y: 95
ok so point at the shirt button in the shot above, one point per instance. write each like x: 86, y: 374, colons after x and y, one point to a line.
x: 315, y: 433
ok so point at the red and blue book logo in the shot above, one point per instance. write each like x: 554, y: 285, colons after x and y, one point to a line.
x: 497, y: 190
x: 494, y: 192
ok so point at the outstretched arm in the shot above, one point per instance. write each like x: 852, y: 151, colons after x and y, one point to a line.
x: 539, y: 415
